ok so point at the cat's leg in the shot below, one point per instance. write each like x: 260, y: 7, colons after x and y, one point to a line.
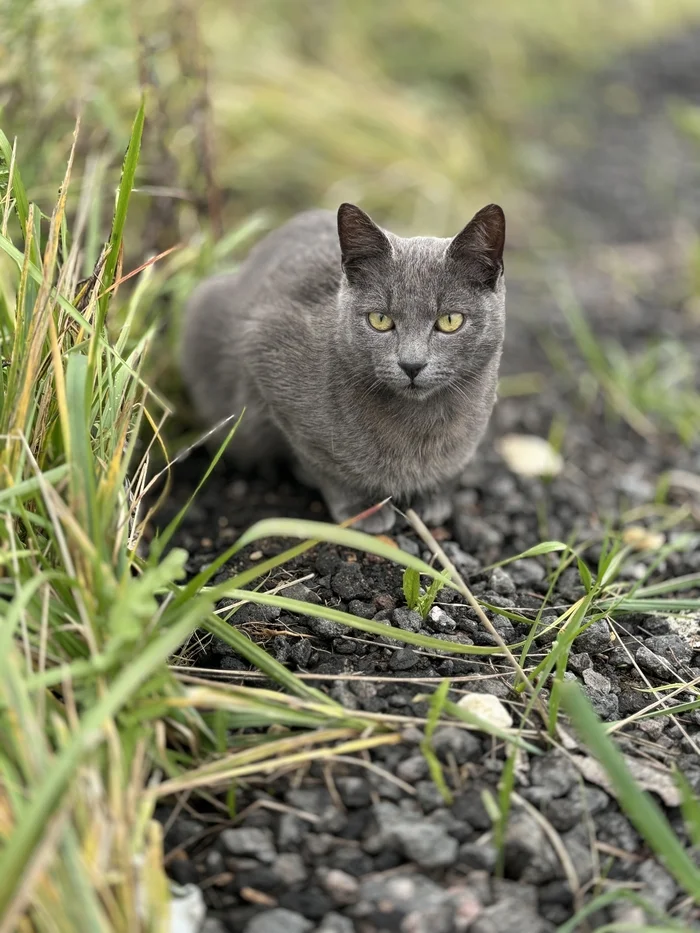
x: 344, y: 503
x: 435, y: 509
x: 257, y: 444
x: 303, y: 474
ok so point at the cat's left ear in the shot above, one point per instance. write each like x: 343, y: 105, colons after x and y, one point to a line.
x: 480, y: 245
x: 361, y: 240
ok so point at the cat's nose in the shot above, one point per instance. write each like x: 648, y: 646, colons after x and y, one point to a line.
x: 412, y: 369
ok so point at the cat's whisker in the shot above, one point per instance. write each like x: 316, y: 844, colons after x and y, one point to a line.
x: 370, y: 391
x: 359, y: 382
x: 461, y: 391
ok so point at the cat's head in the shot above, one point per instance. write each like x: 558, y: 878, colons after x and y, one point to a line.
x: 421, y: 314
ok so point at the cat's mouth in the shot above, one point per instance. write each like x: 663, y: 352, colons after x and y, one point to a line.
x: 415, y: 391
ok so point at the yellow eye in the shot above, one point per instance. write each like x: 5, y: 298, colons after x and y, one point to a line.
x: 380, y: 321
x: 449, y: 323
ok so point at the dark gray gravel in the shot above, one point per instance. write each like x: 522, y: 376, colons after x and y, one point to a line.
x: 375, y: 855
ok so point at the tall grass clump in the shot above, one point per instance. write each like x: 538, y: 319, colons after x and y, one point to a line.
x: 88, y: 705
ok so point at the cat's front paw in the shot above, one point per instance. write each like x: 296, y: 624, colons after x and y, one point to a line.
x: 434, y: 510
x: 379, y: 523
x: 343, y: 507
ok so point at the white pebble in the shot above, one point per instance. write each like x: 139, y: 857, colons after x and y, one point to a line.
x: 487, y: 707
x: 529, y: 455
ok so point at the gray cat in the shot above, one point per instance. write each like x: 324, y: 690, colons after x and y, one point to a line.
x: 367, y: 359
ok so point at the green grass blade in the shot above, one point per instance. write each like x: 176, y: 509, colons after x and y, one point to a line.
x: 585, y: 574
x: 83, y: 465
x: 29, y: 487
x: 640, y: 807
x: 689, y: 581
x: 690, y: 807
x: 258, y: 657
x: 163, y: 539
x: 311, y: 533
x: 335, y: 534
x: 505, y: 796
x: 411, y: 587
x: 546, y: 547
x: 225, y: 591
x: 435, y: 709
x: 126, y: 185
x: 484, y: 726
x: 20, y: 194
x: 613, y: 897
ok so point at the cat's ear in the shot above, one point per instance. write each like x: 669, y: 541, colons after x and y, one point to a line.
x: 361, y: 240
x: 480, y: 245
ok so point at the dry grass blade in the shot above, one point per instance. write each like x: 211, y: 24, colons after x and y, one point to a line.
x: 229, y: 770
x: 557, y: 844
x: 40, y: 317
x: 462, y: 587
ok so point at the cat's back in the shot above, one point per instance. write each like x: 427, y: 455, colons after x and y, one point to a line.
x: 299, y: 263
x: 236, y: 319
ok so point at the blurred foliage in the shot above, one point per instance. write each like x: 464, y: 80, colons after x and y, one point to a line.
x: 414, y: 108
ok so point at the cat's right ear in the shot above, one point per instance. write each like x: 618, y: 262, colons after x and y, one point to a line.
x: 361, y: 240
x: 479, y: 247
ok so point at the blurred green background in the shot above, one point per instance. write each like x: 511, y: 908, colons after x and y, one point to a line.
x: 420, y: 109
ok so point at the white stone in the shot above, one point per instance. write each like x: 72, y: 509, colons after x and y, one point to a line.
x: 529, y: 455
x: 487, y: 707
x: 640, y: 538
x: 187, y: 909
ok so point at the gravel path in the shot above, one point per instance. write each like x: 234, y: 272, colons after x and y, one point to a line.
x: 373, y: 847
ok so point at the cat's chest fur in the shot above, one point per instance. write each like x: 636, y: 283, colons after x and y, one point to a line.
x: 389, y: 465
x: 396, y: 450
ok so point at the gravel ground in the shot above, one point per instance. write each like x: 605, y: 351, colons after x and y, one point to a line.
x: 372, y: 846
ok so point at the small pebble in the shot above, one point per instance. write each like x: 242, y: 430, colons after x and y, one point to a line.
x: 502, y: 583
x: 580, y: 662
x: 412, y: 769
x: 407, y: 619
x: 342, y: 887
x: 440, y: 621
x: 595, y: 639
x: 279, y: 920
x: 488, y: 708
x: 462, y: 744
x: 290, y: 868
x: 335, y: 923
x: 258, y: 843
x: 349, y: 583
x: 596, y: 681
x: 526, y: 572
x: 384, y: 602
x: 425, y: 843
x: 403, y: 659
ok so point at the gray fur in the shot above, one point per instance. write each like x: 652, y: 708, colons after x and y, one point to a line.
x: 287, y: 337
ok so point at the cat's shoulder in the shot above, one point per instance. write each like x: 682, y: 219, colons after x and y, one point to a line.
x: 316, y: 222
x: 308, y: 234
